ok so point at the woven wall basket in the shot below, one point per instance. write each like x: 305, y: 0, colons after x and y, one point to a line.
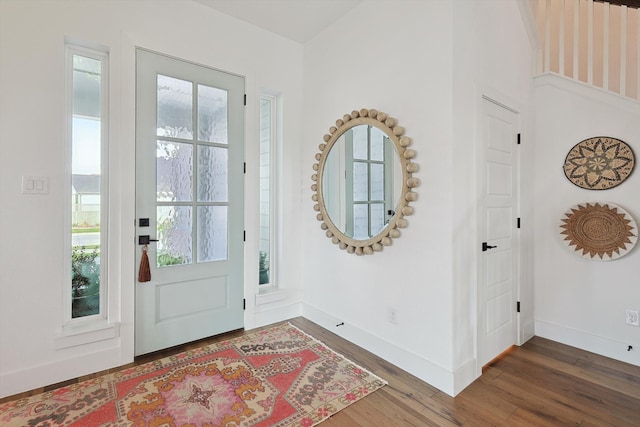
x: 599, y: 163
x: 599, y: 231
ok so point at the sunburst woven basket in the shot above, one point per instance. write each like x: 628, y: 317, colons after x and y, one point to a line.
x: 599, y: 231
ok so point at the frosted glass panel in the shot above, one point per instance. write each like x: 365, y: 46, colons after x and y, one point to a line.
x: 360, y: 143
x: 360, y: 182
x: 175, y: 108
x: 361, y: 221
x: 212, y: 114
x: 174, y: 171
x: 174, y: 235
x: 212, y: 174
x: 377, y: 181
x: 212, y: 233
x: 377, y: 144
x: 377, y: 218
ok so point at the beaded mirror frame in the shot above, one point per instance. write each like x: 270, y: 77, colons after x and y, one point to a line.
x: 390, y: 127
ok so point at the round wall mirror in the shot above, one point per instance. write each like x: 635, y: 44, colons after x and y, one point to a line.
x: 364, y: 181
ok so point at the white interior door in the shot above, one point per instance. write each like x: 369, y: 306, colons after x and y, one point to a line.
x: 498, y: 265
x: 189, y: 185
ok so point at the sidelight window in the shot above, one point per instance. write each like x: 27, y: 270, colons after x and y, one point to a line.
x: 87, y: 140
x: 267, y: 188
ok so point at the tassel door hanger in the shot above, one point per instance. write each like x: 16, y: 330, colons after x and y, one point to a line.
x: 144, y: 274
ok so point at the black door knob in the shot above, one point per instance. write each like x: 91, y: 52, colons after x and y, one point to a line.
x: 485, y: 247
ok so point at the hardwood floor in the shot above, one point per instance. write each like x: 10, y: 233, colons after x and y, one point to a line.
x: 542, y: 383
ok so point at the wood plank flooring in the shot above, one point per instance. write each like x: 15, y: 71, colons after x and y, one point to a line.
x: 542, y: 383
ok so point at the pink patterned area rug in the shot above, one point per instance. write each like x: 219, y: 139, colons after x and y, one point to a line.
x: 274, y: 377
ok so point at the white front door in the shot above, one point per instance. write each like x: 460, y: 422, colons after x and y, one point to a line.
x: 498, y: 248
x: 189, y: 201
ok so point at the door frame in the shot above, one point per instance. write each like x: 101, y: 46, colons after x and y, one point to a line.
x: 506, y: 102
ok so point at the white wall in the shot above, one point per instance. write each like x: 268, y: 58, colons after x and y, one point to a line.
x: 581, y: 302
x: 395, y: 57
x: 32, y: 36
x: 426, y: 63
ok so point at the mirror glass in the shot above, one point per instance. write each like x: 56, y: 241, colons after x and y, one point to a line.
x: 362, y: 182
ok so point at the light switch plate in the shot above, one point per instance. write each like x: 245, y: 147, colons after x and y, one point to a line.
x: 35, y: 184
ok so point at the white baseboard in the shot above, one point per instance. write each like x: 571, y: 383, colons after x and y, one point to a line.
x: 19, y: 381
x: 433, y: 374
x: 596, y: 344
x: 527, y: 331
x: 271, y: 315
x: 465, y: 375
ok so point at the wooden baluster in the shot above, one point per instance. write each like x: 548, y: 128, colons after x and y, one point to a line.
x: 605, y: 47
x: 547, y: 38
x: 590, y: 42
x: 623, y: 50
x: 561, y: 40
x: 576, y: 39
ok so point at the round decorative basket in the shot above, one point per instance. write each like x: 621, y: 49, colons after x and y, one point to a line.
x: 599, y: 231
x: 599, y: 163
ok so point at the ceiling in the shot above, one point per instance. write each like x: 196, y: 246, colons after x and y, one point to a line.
x: 302, y: 20
x: 297, y: 20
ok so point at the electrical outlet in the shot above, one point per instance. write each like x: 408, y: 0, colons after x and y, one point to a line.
x: 632, y: 317
x: 393, y: 316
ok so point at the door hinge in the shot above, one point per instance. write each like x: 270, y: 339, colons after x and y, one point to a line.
x: 244, y: 303
x: 518, y: 224
x: 518, y: 306
x: 244, y: 235
x: 518, y: 139
x: 245, y: 167
x: 245, y: 99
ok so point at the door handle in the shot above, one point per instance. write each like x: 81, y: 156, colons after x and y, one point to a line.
x: 145, y: 240
x: 485, y: 247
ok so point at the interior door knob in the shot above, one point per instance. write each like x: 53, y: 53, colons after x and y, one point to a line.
x: 485, y: 247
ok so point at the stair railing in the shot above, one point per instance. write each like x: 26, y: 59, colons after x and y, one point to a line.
x: 595, y: 42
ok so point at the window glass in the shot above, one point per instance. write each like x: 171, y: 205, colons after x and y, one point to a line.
x: 175, y: 108
x: 87, y: 205
x: 267, y: 144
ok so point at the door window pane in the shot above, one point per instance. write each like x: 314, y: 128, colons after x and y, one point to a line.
x: 174, y: 170
x: 212, y: 174
x: 361, y: 221
x: 377, y: 144
x: 360, y: 181
x: 377, y: 218
x: 174, y: 235
x: 175, y: 111
x: 212, y: 115
x: 360, y: 143
x: 212, y: 233
x: 377, y: 181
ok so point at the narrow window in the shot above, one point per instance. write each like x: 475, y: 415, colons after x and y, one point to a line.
x: 267, y: 187
x: 86, y: 105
